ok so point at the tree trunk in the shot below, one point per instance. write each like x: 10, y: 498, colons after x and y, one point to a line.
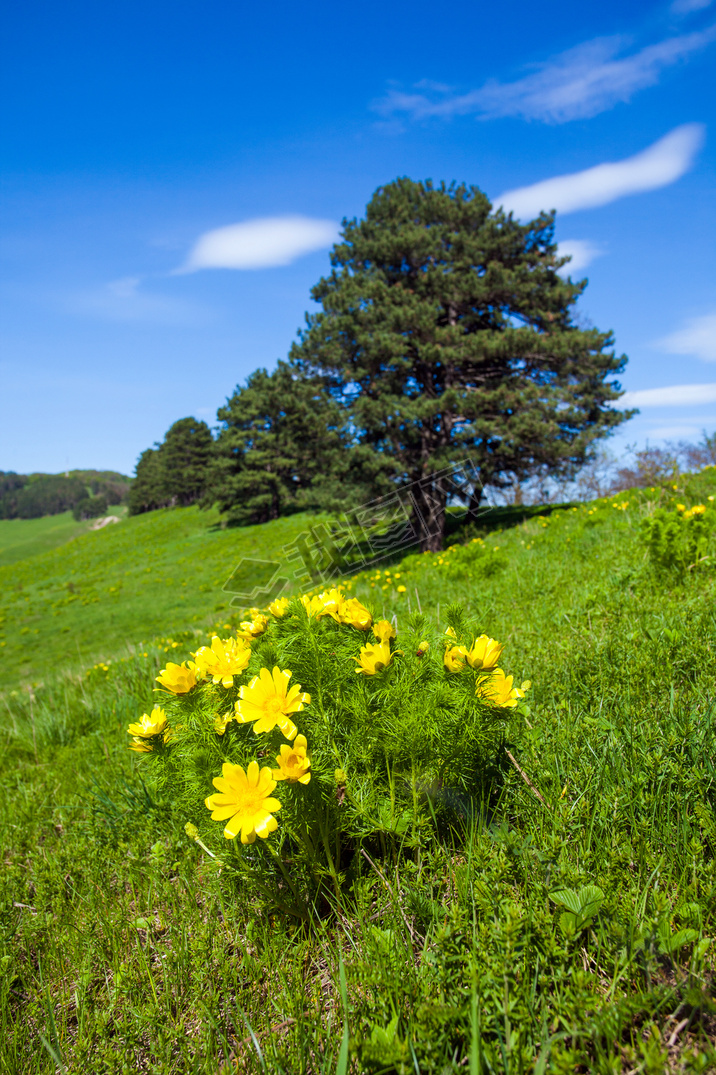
x: 429, y: 499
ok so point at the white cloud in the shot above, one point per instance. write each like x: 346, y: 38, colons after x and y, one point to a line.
x: 685, y: 7
x: 576, y: 84
x: 690, y: 432
x: 675, y: 395
x: 261, y: 243
x: 581, y: 251
x: 662, y: 163
x: 697, y: 338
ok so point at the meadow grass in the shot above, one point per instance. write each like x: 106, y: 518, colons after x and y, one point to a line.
x: 92, y: 598
x: 21, y: 538
x: 566, y: 927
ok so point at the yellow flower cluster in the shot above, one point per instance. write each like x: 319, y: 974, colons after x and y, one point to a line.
x: 697, y: 509
x: 245, y: 798
x: 342, y: 609
x: 483, y: 656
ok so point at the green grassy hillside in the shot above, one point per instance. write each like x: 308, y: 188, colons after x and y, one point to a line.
x: 157, y: 573
x: 22, y: 538
x: 567, y: 927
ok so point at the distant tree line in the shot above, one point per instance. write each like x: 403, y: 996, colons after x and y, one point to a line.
x: 86, y: 493
x: 445, y: 332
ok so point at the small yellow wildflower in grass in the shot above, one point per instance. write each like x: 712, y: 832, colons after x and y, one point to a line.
x: 681, y: 507
x: 254, y: 627
x: 498, y: 689
x: 268, y: 701
x: 383, y: 630
x: 279, y: 606
x: 293, y: 762
x: 709, y: 498
x: 356, y: 615
x: 484, y: 653
x: 178, y: 678
x: 223, y: 660
x: 149, y: 724
x: 374, y: 657
x: 698, y: 509
x: 245, y: 800
x: 402, y: 589
x: 454, y: 659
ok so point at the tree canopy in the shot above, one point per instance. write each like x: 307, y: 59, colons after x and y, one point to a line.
x: 447, y: 334
x: 174, y: 472
x: 279, y: 440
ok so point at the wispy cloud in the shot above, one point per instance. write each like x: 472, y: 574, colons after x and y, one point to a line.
x: 579, y: 83
x: 581, y: 251
x: 697, y: 338
x: 675, y: 395
x: 260, y: 244
x: 123, y: 300
x: 662, y: 163
x: 685, y: 7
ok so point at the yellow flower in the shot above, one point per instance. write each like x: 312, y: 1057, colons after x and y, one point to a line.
x: 485, y: 653
x: 245, y: 799
x: 178, y: 678
x: 374, y: 657
x: 698, y: 509
x: 383, y: 630
x: 293, y: 762
x: 268, y: 701
x: 681, y: 507
x: 498, y: 689
x: 141, y: 746
x: 279, y: 606
x: 329, y: 603
x: 149, y: 724
x: 254, y: 627
x: 454, y: 659
x: 356, y: 615
x: 223, y: 659
x: 423, y: 648
x: 220, y: 722
x: 401, y: 589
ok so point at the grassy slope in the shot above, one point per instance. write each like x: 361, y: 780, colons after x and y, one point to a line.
x: 22, y: 538
x: 154, y: 573
x: 122, y: 950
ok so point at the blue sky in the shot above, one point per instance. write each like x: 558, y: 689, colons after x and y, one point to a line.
x: 173, y: 175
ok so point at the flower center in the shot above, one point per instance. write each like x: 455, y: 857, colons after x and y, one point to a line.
x: 249, y: 801
x: 273, y: 706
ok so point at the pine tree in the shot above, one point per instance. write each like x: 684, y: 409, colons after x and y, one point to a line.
x: 174, y: 472
x: 446, y: 333
x: 148, y: 490
x: 277, y: 449
x: 185, y: 457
